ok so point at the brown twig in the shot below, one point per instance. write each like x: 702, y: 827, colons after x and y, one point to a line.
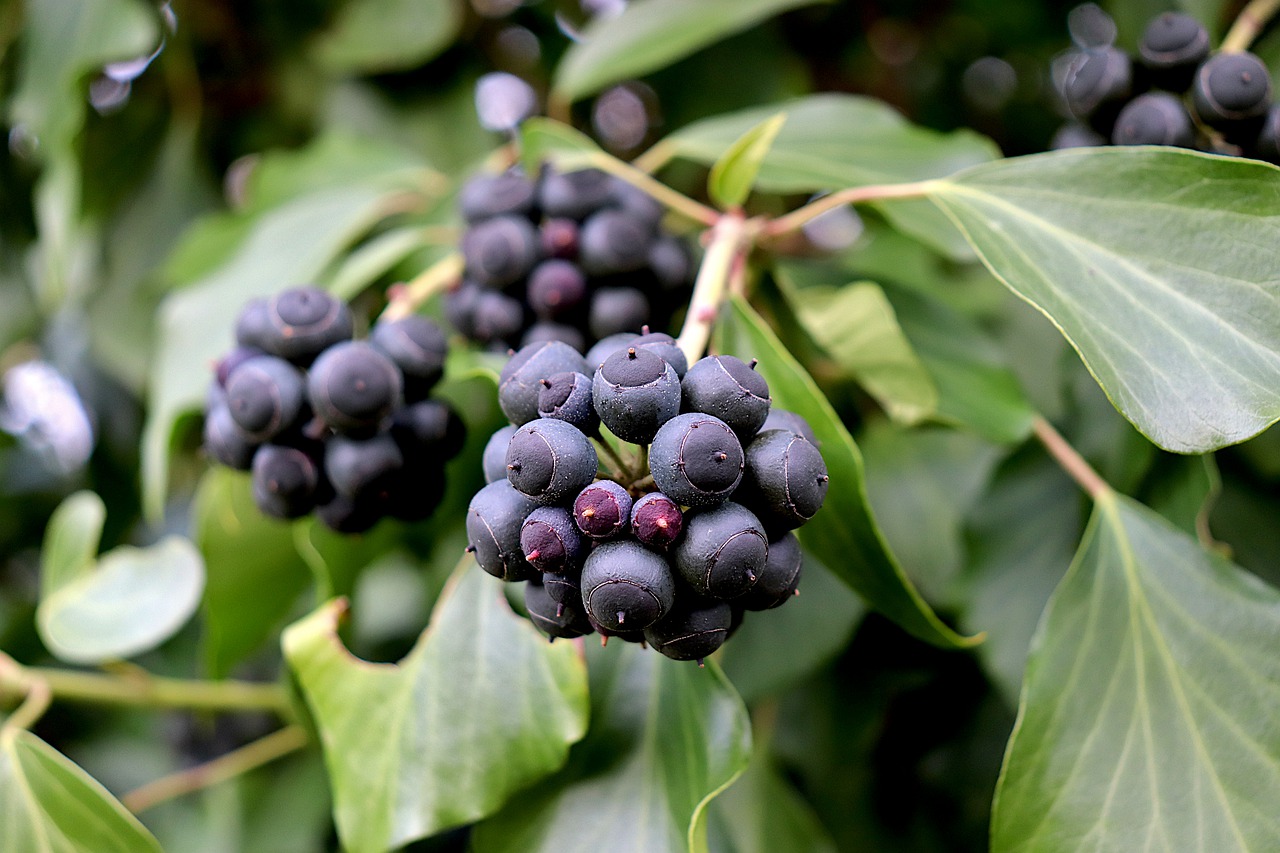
x: 1069, y: 459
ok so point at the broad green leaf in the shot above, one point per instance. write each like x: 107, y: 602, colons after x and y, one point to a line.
x: 130, y: 601
x: 733, y: 175
x: 49, y: 805
x: 1145, y: 720
x: 71, y: 541
x: 1183, y: 490
x: 480, y: 708
x: 1158, y: 265
x: 666, y: 737
x: 543, y: 139
x: 652, y: 34
x: 844, y: 534
x: 373, y: 260
x: 921, y: 483
x: 372, y: 36
x: 835, y: 141
x: 773, y: 650
x: 857, y: 327
x: 255, y: 574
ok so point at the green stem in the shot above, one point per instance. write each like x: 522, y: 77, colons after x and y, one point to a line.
x: 623, y: 471
x: 437, y: 278
x: 641, y: 180
x: 797, y: 218
x: 730, y: 238
x: 1069, y: 459
x: 1251, y: 21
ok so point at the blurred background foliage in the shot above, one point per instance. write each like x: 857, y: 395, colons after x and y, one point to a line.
x: 222, y: 148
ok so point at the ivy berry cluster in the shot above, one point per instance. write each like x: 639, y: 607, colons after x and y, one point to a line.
x: 328, y: 423
x: 670, y: 548
x: 571, y: 257
x: 1174, y: 92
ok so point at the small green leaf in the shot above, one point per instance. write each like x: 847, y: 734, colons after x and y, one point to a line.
x: 1158, y: 265
x: 130, y: 602
x: 373, y: 36
x: 666, y: 737
x: 651, y: 34
x: 71, y: 541
x: 480, y: 708
x: 50, y: 805
x: 255, y: 573
x: 733, y: 175
x: 1145, y: 720
x: 543, y: 139
x: 844, y: 535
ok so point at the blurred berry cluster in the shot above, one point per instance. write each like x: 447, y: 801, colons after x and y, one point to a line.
x: 1176, y: 91
x: 668, y: 547
x: 571, y: 257
x: 331, y: 424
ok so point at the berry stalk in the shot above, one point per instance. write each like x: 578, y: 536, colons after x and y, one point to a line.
x: 1249, y: 24
x: 435, y: 279
x: 731, y: 238
x: 796, y: 219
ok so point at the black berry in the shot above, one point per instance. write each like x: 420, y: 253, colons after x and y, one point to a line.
x: 691, y: 632
x: 494, y: 518
x: 550, y: 541
x: 500, y: 250
x: 635, y: 393
x: 550, y: 461
x: 265, y: 396
x: 602, y: 510
x: 780, y: 577
x: 1172, y: 46
x: 696, y: 460
x: 617, y: 309
x: 284, y: 481
x: 731, y: 390
x: 1156, y: 118
x: 521, y: 377
x: 722, y: 552
x: 626, y: 587
x: 494, y: 459
x: 567, y: 397
x: 353, y: 387
x: 418, y: 347
x: 303, y: 322
x: 486, y: 196
x: 556, y: 619
x: 786, y: 480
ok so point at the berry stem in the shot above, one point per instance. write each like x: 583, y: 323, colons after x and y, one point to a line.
x: 1069, y: 459
x: 235, y: 763
x: 1251, y: 21
x: 437, y: 278
x: 623, y: 469
x: 797, y: 218
x: 731, y: 237
x: 641, y: 180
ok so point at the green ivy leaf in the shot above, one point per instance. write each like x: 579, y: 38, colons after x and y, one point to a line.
x: 480, y: 708
x: 666, y: 737
x: 844, y: 534
x: 52, y: 806
x: 1145, y: 718
x: 835, y: 141
x: 543, y: 139
x: 734, y: 174
x: 372, y: 36
x: 651, y: 34
x: 1157, y: 264
x: 128, y: 601
x: 255, y: 574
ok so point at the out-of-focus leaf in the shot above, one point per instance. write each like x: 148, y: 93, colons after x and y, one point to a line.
x: 480, y: 708
x: 733, y: 175
x: 543, y: 139
x: 834, y: 141
x: 773, y: 650
x: 651, y: 34
x: 666, y: 737
x: 52, y: 806
x: 374, y: 259
x: 371, y: 36
x: 255, y: 573
x: 1183, y: 490
x: 844, y: 534
x: 1157, y: 264
x: 71, y: 541
x: 1143, y: 722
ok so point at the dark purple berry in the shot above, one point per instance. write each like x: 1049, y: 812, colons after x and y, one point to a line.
x: 567, y: 397
x: 1156, y: 118
x: 782, y: 419
x: 494, y: 518
x: 696, y: 460
x: 626, y: 587
x: 486, y: 196
x: 573, y: 195
x: 418, y: 347
x: 730, y: 389
x: 556, y: 619
x: 353, y: 387
x: 691, y: 632
x: 780, y: 577
x: 722, y: 552
x: 617, y: 309
x: 428, y: 429
x: 602, y: 510
x: 265, y: 396
x: 304, y: 322
x: 284, y: 481
x: 544, y: 331
x: 521, y: 377
x: 494, y: 459
x: 550, y: 541
x: 500, y: 250
x: 665, y: 346
x: 556, y: 289
x: 656, y: 521
x: 559, y: 239
x: 225, y: 442
x: 1172, y: 46
x: 613, y: 241
x: 635, y: 393
x: 1232, y: 92
x: 361, y: 466
x: 786, y: 479
x: 550, y: 461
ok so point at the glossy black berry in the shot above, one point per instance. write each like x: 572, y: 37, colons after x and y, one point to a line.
x: 1172, y: 45
x: 359, y: 466
x: 559, y: 238
x: 497, y: 317
x: 730, y: 389
x: 265, y: 396
x: 691, y: 632
x: 556, y: 619
x: 1156, y: 118
x: 521, y: 377
x: 225, y: 442
x: 430, y: 428
x: 545, y: 331
x: 284, y: 481
x: 500, y: 250
x: 635, y: 393
x: 574, y: 195
x: 303, y: 322
x: 626, y: 587
x: 782, y: 419
x: 1097, y: 84
x: 1075, y: 135
x: 565, y: 586
x: 494, y: 458
x: 418, y: 347
x: 1230, y: 90
x: 494, y: 518
x: 617, y: 309
x: 614, y: 241
x: 606, y: 347
x: 786, y: 479
x: 696, y: 460
x: 567, y: 397
x: 665, y: 346
x: 550, y: 541
x: 780, y: 577
x: 556, y: 289
x: 550, y: 461
x: 232, y: 360
x: 346, y: 515
x: 656, y: 521
x: 353, y: 387
x: 602, y: 510
x: 487, y: 196
x: 253, y: 325
x: 722, y: 552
